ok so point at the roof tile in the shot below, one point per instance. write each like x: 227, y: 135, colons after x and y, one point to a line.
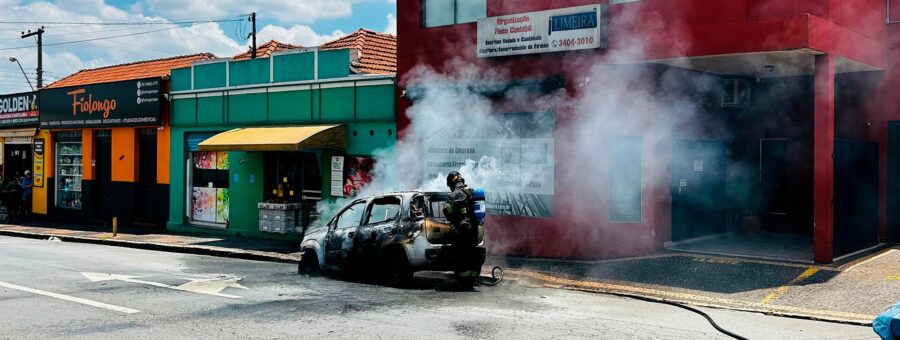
x: 129, y: 71
x: 377, y: 52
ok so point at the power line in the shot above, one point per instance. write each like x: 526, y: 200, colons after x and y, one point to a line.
x: 233, y: 18
x: 93, y: 39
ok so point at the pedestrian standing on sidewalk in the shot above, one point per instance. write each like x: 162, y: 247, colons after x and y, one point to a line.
x: 12, y: 197
x: 27, y: 184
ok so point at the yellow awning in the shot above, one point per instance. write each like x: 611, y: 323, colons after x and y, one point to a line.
x: 27, y: 132
x: 288, y: 138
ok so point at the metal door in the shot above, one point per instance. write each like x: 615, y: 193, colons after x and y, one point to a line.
x: 146, y: 200
x: 102, y: 191
x: 698, y: 186
x: 855, y: 196
x: 893, y: 182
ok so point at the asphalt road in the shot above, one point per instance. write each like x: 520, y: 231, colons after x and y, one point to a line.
x: 51, y: 289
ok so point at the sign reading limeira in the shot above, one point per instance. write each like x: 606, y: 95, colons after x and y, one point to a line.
x: 565, y: 29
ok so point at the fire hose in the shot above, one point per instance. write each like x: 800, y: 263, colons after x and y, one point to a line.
x: 494, y: 279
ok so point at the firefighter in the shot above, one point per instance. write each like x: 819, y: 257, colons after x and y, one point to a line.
x: 460, y: 212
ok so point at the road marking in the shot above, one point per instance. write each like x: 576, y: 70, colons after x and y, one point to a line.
x: 200, y: 286
x: 69, y: 298
x: 696, y: 299
x: 893, y: 277
x: 716, y: 260
x: 873, y: 258
x: 778, y: 292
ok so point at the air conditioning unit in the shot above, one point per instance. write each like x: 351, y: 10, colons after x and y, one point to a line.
x: 735, y: 92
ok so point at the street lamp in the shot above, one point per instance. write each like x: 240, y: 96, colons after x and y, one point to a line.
x: 14, y: 60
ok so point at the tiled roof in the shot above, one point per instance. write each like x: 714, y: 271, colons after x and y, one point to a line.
x: 376, y: 53
x: 266, y: 50
x: 130, y: 71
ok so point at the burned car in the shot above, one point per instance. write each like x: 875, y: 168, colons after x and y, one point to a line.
x: 397, y: 234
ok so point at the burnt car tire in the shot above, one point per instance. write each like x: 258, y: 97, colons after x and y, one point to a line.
x: 309, y: 264
x: 396, y: 271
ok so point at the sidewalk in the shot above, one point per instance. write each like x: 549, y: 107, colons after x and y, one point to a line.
x: 225, y: 246
x: 851, y: 292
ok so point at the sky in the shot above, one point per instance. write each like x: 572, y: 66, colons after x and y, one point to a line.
x: 300, y: 22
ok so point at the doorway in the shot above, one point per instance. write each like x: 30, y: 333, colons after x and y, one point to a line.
x: 855, y: 196
x: 893, y: 181
x: 16, y: 159
x: 102, y: 187
x: 146, y: 201
x: 698, y: 187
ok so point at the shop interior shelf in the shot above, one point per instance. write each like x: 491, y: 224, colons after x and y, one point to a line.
x: 70, y: 164
x: 69, y: 190
x: 71, y: 175
x: 70, y: 154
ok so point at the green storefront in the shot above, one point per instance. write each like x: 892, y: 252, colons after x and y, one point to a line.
x: 255, y: 144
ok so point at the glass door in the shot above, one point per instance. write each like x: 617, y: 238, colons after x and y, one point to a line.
x: 68, y: 174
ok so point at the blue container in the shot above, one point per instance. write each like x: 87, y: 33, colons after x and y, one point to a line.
x: 887, y: 325
x: 479, y: 204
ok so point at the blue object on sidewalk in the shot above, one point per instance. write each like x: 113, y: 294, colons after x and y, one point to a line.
x: 479, y: 204
x: 887, y: 325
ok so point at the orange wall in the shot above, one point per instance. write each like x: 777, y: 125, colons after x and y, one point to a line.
x: 162, y: 154
x: 124, y: 155
x: 87, y: 154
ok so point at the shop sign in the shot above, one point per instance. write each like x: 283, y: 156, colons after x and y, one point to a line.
x: 565, y: 29
x: 38, y: 160
x: 19, y: 109
x: 124, y: 103
x: 337, y: 176
x: 17, y: 140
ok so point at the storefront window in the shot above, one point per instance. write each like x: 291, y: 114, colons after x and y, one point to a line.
x: 294, y: 177
x: 449, y: 12
x: 68, y: 169
x: 209, y: 187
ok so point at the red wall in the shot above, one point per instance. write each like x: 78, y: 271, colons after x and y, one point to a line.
x: 656, y: 29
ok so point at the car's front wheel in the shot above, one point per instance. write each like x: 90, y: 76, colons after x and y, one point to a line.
x: 396, y: 271
x: 309, y: 263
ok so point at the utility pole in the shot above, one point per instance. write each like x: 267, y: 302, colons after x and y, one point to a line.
x: 253, y: 34
x: 40, y: 57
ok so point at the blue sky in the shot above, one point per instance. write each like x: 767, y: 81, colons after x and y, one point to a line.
x: 303, y: 22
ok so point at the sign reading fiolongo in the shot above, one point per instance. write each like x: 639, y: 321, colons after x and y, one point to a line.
x: 565, y: 29
x: 19, y: 109
x: 124, y: 103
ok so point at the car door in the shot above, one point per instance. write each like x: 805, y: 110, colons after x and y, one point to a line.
x: 382, y: 217
x: 339, y: 240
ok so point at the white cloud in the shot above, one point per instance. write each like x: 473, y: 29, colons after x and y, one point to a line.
x: 298, y: 35
x: 220, y: 39
x: 305, y: 11
x: 392, y: 24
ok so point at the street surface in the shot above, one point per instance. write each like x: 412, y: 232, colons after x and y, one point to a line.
x: 51, y: 289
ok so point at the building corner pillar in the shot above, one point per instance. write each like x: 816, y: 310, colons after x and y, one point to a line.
x: 823, y: 160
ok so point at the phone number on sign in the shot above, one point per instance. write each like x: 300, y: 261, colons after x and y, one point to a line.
x: 572, y: 42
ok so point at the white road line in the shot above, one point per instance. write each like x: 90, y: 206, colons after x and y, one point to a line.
x: 70, y: 298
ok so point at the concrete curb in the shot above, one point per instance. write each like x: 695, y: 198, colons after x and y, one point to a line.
x: 184, y: 249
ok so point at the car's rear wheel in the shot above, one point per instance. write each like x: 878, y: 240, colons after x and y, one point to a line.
x: 309, y: 263
x: 396, y: 271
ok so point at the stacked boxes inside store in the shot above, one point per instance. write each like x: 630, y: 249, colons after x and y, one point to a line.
x: 279, y: 218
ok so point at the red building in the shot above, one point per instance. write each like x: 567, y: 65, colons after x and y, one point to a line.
x: 767, y: 128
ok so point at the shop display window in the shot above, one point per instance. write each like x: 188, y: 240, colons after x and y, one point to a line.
x: 292, y: 177
x: 68, y: 170
x: 209, y: 187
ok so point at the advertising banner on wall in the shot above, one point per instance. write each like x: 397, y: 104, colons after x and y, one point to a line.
x: 513, y: 159
x: 350, y: 174
x: 564, y: 29
x: 124, y: 103
x: 38, y: 161
x: 19, y: 109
